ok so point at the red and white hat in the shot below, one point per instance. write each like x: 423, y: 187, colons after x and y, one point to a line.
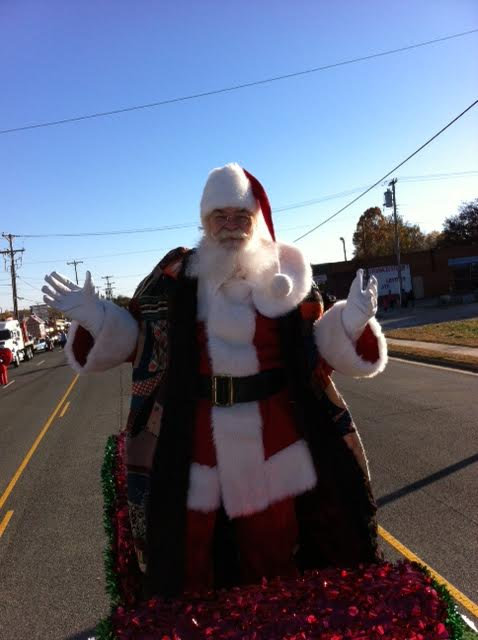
x: 233, y: 186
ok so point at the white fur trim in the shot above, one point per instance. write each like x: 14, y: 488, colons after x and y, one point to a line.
x: 248, y: 483
x: 227, y: 186
x: 292, y: 264
x: 338, y: 349
x: 237, y: 433
x: 290, y: 472
x: 204, y: 493
x: 114, y: 344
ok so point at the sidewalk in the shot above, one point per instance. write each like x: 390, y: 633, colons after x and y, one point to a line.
x: 426, y: 312
x: 445, y: 355
x: 435, y: 347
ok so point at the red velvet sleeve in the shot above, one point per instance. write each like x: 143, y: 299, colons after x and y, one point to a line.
x: 367, y: 345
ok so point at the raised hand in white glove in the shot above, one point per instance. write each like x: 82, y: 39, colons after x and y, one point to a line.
x: 361, y: 305
x: 80, y: 304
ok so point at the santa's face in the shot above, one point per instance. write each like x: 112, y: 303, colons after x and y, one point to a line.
x: 230, y: 227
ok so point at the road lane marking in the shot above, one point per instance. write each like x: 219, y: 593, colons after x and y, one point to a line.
x: 41, y: 362
x: 7, y: 385
x: 433, y: 366
x: 458, y: 595
x: 5, y: 521
x: 34, y: 446
x: 65, y: 409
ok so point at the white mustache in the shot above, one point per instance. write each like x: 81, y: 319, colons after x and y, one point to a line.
x: 225, y: 234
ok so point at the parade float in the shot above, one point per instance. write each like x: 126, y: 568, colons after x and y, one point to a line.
x: 384, y: 601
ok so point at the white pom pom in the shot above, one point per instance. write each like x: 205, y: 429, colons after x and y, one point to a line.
x: 281, y: 285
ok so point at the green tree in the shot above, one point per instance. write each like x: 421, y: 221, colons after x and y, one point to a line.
x: 462, y: 228
x: 433, y: 239
x: 122, y: 301
x: 369, y: 233
x: 375, y: 235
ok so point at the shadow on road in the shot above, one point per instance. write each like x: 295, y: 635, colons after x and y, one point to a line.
x: 87, y: 634
x: 27, y: 373
x: 419, y: 484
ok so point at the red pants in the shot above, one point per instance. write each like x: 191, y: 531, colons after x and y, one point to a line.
x: 3, y: 374
x: 266, y: 542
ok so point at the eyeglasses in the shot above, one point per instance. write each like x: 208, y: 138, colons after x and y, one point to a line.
x: 240, y: 219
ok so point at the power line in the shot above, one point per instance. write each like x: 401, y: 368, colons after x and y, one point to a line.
x: 104, y: 255
x: 105, y: 233
x: 389, y: 172
x: 237, y: 87
x: 187, y: 225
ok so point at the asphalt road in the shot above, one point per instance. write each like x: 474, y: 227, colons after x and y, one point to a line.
x: 418, y: 424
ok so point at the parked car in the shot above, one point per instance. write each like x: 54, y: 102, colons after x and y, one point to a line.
x: 40, y: 345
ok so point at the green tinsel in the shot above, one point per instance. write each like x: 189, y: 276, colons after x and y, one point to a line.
x: 454, y: 621
x: 104, y: 629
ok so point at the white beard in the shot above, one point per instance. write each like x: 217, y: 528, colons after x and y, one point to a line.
x: 255, y: 261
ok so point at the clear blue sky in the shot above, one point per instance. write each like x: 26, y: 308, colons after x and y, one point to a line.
x: 304, y: 138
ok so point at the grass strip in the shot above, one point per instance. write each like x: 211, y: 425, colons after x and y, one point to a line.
x: 458, y: 361
x: 459, y: 332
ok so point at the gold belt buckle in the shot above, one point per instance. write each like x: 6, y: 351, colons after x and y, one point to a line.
x: 216, y: 391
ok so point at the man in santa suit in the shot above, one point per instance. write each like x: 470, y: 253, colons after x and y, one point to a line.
x: 242, y: 458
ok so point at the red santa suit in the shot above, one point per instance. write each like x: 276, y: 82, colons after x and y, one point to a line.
x: 247, y: 459
x: 6, y: 358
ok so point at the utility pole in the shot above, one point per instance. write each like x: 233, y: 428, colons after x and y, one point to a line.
x: 108, y: 288
x: 345, y: 253
x: 11, y: 253
x: 392, y: 184
x: 75, y: 262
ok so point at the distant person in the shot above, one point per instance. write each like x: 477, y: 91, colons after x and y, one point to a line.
x: 411, y: 297
x: 329, y: 300
x: 6, y: 357
x: 391, y: 299
x: 404, y: 299
x: 62, y: 339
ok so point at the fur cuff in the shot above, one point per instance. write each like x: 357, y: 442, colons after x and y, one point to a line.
x: 204, y: 493
x: 114, y: 344
x: 280, y: 294
x: 340, y: 352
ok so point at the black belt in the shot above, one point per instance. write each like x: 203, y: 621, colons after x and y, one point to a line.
x: 224, y: 391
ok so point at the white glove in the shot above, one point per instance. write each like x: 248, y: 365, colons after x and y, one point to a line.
x: 361, y: 305
x: 80, y: 304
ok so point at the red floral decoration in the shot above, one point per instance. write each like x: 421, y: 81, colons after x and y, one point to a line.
x: 374, y: 602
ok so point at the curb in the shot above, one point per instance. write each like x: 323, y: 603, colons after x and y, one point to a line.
x: 452, y: 364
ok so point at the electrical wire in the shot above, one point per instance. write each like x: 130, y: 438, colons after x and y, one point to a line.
x: 237, y: 87
x: 106, y: 233
x: 473, y: 104
x: 296, y: 205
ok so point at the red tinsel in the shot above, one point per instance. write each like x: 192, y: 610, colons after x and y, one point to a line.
x: 126, y: 567
x: 375, y: 602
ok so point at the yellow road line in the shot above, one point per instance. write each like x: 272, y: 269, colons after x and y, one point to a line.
x: 5, y: 521
x: 26, y: 459
x: 458, y: 595
x: 65, y: 409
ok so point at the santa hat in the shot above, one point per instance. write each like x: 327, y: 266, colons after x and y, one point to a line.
x: 233, y: 186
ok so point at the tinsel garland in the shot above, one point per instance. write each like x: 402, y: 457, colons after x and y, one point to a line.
x: 374, y: 602
x: 108, y: 484
x: 122, y: 574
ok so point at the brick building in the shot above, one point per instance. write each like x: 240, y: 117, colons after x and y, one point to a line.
x: 433, y: 272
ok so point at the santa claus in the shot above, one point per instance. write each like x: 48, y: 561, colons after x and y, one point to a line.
x: 242, y: 458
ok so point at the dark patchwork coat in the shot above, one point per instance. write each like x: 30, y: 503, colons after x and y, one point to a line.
x: 336, y: 516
